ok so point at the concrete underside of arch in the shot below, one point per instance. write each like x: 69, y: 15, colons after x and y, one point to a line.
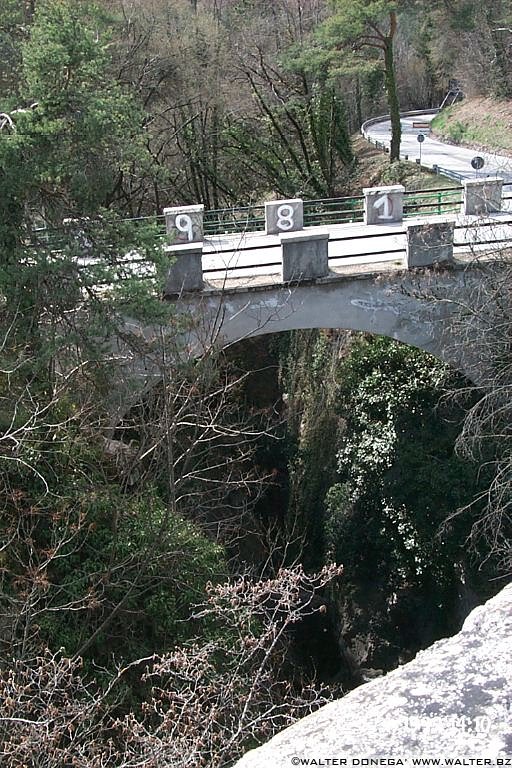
x: 417, y: 308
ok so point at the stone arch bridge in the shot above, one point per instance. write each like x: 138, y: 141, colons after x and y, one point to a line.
x: 390, y: 267
x: 402, y: 272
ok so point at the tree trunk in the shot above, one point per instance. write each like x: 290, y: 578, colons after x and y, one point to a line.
x: 393, y: 102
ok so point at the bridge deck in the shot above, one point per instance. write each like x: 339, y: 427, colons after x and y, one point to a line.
x: 253, y: 259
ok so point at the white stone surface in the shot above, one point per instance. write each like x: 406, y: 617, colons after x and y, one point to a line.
x: 453, y: 701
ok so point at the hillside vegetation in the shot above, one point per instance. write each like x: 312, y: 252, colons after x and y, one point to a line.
x: 374, y: 169
x: 482, y: 123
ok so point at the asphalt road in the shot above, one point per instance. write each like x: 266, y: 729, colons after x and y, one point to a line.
x: 434, y: 152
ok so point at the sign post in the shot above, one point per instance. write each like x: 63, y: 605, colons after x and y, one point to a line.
x: 421, y: 138
x: 477, y: 163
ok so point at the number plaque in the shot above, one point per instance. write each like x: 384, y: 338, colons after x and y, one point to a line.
x: 283, y: 216
x: 184, y: 224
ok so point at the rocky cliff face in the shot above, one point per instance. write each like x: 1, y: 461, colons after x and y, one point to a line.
x: 454, y: 700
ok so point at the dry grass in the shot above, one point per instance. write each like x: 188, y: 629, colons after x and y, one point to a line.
x: 480, y: 123
x: 374, y: 169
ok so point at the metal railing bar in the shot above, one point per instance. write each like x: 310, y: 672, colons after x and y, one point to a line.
x: 482, y: 242
x: 369, y: 253
x: 279, y: 263
x: 439, y: 204
x: 437, y: 194
x: 437, y: 189
x: 242, y: 266
x: 366, y: 237
x: 497, y: 223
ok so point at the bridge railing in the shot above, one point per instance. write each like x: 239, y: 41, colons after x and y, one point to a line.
x: 248, y: 218
x: 326, y: 212
x: 301, y: 221
x: 333, y: 210
x: 507, y: 190
x: 329, y: 211
x: 318, y: 212
x: 442, y: 200
x: 300, y: 234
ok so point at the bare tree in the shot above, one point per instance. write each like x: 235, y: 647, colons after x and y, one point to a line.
x: 485, y: 326
x: 210, y: 700
x: 206, y: 702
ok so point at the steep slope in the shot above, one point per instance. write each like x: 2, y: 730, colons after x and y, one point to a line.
x: 478, y: 123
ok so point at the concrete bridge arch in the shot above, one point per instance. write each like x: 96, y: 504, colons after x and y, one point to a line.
x: 419, y: 309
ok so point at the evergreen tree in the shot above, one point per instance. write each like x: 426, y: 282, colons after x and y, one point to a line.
x: 358, y: 36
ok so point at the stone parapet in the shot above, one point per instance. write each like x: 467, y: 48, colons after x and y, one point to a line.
x: 184, y: 224
x: 284, y: 216
x: 305, y: 255
x: 186, y: 271
x: 383, y: 205
x: 429, y: 243
x: 481, y: 196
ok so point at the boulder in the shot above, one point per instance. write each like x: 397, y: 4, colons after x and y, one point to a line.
x: 453, y: 701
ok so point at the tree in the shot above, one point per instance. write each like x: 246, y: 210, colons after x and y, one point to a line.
x: 204, y: 702
x: 467, y: 41
x: 359, y: 33
x: 211, y: 699
x: 77, y: 131
x: 81, y: 549
x: 304, y: 146
x: 310, y: 377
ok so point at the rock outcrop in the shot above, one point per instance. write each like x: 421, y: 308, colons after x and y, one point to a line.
x: 453, y: 701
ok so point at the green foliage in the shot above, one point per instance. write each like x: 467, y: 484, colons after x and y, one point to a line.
x: 484, y: 123
x: 130, y: 580
x: 298, y: 147
x: 397, y: 172
x: 12, y: 19
x: 400, y: 478
x: 100, y: 571
x: 384, y: 382
x: 351, y: 18
x: 359, y: 37
x: 90, y: 566
x: 310, y: 363
x: 79, y: 129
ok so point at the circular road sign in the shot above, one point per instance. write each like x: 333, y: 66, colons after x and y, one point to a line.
x: 421, y: 138
x: 477, y: 163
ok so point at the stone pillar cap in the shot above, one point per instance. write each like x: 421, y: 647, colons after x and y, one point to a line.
x: 185, y: 247
x: 479, y: 182
x: 183, y: 209
x: 285, y: 201
x: 437, y: 222
x: 384, y: 190
x: 302, y: 236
